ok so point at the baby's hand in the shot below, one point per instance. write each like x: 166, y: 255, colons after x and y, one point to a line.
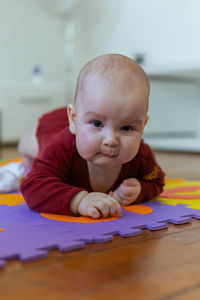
x: 127, y: 192
x: 98, y: 205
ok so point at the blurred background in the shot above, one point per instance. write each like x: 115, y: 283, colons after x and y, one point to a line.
x: 45, y: 43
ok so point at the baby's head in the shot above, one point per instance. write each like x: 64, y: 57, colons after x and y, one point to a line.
x: 115, y: 69
x: 110, y: 109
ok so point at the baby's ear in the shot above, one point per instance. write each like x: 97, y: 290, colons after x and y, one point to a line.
x: 146, y: 120
x: 72, y: 118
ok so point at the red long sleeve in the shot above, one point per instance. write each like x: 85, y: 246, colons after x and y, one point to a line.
x: 151, y: 176
x: 47, y: 187
x: 59, y: 173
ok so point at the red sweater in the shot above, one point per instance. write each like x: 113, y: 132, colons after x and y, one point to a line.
x: 59, y: 172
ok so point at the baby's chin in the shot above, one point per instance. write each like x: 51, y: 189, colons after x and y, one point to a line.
x: 105, y: 162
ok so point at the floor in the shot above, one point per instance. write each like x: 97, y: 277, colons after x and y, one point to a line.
x: 161, y: 265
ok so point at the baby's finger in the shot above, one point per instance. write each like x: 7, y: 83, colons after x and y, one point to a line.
x: 116, y: 195
x: 129, y: 191
x: 93, y: 212
x: 130, y: 182
x: 103, y: 208
x: 119, y: 193
x: 123, y: 202
x: 115, y: 209
x: 119, y: 210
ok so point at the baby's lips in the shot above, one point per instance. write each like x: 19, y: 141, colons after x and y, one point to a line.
x: 110, y: 153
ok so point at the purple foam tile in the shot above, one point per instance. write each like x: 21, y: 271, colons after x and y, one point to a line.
x: 33, y: 255
x: 2, y: 264
x: 182, y: 220
x: 74, y: 245
x: 156, y: 226
x: 129, y: 232
x: 87, y: 238
x: 196, y: 216
x: 103, y: 238
x: 28, y: 236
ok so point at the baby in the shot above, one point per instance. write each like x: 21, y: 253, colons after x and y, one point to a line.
x: 95, y: 161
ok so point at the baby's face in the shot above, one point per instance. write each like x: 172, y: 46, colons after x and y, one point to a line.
x: 110, y: 119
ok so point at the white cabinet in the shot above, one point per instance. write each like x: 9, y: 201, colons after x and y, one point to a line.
x: 174, y: 112
x: 174, y: 106
x: 21, y: 104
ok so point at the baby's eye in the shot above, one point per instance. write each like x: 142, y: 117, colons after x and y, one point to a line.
x: 127, y: 128
x: 97, y: 123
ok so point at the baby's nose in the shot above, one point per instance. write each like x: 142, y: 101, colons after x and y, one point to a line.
x: 111, y: 139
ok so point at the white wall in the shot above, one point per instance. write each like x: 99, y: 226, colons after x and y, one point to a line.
x: 29, y: 35
x: 166, y: 31
x: 95, y: 22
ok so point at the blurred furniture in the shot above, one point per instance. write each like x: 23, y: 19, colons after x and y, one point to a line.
x: 174, y: 111
x: 22, y: 104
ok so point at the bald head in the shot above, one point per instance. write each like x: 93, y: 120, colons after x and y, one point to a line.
x: 115, y: 68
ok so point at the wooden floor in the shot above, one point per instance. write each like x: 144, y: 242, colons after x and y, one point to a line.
x: 155, y: 265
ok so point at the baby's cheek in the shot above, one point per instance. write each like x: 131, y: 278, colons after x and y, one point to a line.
x: 85, y: 145
x: 129, y: 149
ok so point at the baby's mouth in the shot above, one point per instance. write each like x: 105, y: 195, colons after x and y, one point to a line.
x: 110, y: 153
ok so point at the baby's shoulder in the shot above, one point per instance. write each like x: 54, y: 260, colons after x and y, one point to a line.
x: 65, y: 140
x: 144, y: 153
x: 144, y: 147
x: 62, y: 145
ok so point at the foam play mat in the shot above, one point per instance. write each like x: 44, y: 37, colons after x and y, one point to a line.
x: 28, y: 235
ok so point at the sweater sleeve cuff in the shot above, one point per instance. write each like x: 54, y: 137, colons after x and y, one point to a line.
x: 69, y: 197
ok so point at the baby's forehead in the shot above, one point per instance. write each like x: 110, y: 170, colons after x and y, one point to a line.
x: 115, y: 72
x: 127, y: 76
x: 120, y: 79
x: 99, y: 96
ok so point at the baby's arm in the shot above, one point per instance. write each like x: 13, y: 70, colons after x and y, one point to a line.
x: 148, y: 184
x: 47, y: 187
x: 134, y: 190
x: 95, y: 205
